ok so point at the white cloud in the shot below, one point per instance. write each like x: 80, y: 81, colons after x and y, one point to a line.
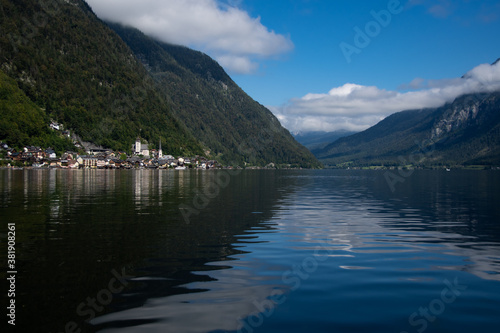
x: 357, y: 107
x: 240, y: 64
x: 222, y: 30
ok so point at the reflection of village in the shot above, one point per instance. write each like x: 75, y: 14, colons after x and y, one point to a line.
x: 101, y: 158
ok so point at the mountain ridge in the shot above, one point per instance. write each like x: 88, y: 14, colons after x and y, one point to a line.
x: 218, y: 112
x: 463, y: 132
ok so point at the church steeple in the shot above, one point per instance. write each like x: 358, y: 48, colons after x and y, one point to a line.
x: 138, y: 145
x: 160, y: 152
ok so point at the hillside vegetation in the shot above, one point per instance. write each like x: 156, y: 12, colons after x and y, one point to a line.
x: 218, y: 112
x: 22, y: 122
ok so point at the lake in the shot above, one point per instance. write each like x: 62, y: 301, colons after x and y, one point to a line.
x: 253, y: 251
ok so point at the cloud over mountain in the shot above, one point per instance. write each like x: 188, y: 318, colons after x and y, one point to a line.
x: 225, y: 32
x: 356, y: 107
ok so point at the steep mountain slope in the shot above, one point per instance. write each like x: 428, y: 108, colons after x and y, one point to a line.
x: 466, y: 131
x: 83, y: 75
x: 233, y: 126
x: 22, y: 122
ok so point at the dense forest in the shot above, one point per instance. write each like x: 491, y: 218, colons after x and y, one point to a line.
x: 23, y: 123
x: 84, y: 76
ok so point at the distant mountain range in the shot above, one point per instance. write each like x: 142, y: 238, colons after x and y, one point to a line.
x: 464, y: 132
x: 314, y: 140
x: 111, y: 85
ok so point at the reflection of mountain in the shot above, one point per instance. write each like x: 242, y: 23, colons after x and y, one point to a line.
x: 450, y: 214
x: 76, y: 227
x: 460, y: 210
x: 190, y: 255
x: 229, y: 299
x: 84, y: 224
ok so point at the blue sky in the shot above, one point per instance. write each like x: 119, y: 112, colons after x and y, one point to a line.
x: 287, y: 54
x: 415, y: 44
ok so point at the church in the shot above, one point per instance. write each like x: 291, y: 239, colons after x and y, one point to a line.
x: 141, y: 148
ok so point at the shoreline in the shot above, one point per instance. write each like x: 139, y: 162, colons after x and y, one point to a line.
x: 469, y: 168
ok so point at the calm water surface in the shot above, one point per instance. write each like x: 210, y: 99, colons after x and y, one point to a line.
x: 264, y: 251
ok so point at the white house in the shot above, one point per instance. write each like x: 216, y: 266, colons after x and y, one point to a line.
x: 55, y: 126
x: 50, y: 153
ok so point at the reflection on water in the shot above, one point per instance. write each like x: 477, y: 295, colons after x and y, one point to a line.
x: 273, y: 251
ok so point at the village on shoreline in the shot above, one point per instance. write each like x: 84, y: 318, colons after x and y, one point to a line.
x: 102, y: 158
x: 98, y: 158
x: 90, y: 156
x: 33, y: 157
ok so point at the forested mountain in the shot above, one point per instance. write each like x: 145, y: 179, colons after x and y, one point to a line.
x: 218, y: 112
x: 83, y: 75
x: 79, y: 72
x: 464, y: 132
x: 24, y: 123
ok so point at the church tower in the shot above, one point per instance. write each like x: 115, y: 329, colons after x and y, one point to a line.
x: 160, y: 152
x: 138, y: 146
